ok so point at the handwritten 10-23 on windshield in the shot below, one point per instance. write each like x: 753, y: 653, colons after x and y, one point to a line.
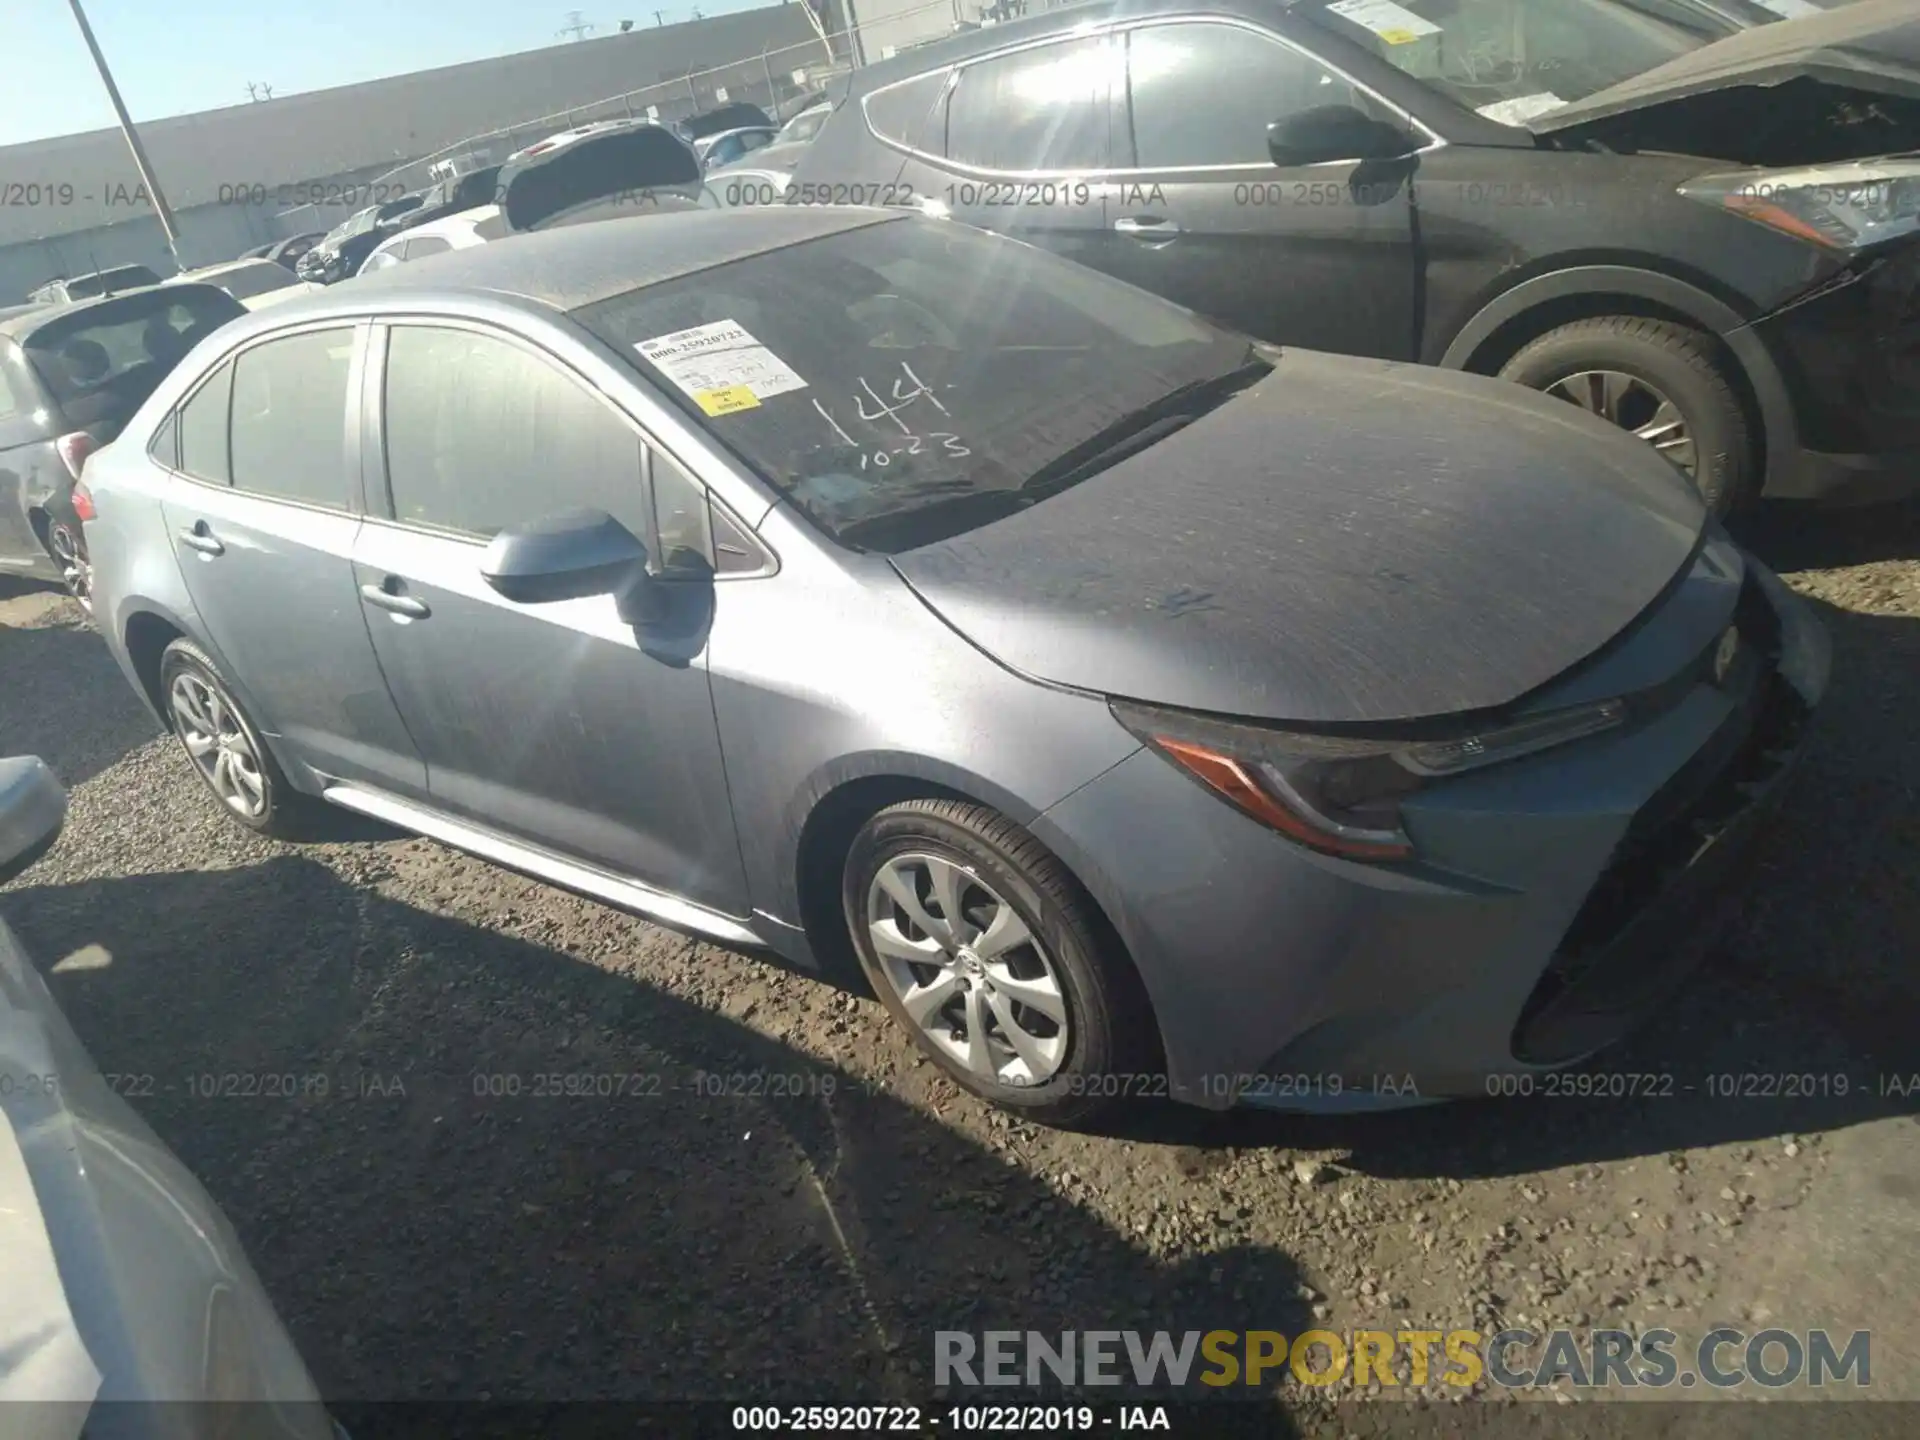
x: 875, y: 409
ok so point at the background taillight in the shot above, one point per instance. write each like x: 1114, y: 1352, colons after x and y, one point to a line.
x: 74, y: 450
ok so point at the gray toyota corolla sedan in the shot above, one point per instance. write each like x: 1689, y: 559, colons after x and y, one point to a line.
x: 1150, y: 711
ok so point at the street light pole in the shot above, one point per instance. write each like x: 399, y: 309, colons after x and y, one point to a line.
x: 140, y: 161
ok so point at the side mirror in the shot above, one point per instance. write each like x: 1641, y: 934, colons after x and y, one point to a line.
x: 1335, y: 132
x: 564, y: 556
x: 33, y: 807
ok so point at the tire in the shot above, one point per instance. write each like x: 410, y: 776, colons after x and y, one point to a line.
x: 69, y: 552
x: 280, y: 811
x: 1672, y: 361
x: 1104, y: 1039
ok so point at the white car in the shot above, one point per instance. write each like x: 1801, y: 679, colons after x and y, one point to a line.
x: 256, y: 284
x: 449, y: 232
x: 568, y: 137
x: 731, y: 145
x: 120, y: 1280
x: 804, y: 126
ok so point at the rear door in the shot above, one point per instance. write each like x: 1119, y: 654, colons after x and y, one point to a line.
x: 1318, y: 256
x: 559, y: 724
x: 263, y: 520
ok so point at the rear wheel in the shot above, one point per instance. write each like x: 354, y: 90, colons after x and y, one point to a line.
x: 1663, y: 382
x: 224, y: 746
x: 69, y: 552
x: 981, y: 945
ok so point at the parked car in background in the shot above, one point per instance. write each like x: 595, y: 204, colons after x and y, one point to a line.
x: 744, y: 184
x: 1696, y: 223
x: 451, y: 232
x: 804, y: 126
x: 731, y: 145
x: 70, y: 377
x: 732, y: 116
x: 339, y: 253
x: 98, y: 282
x: 451, y: 197
x: 254, y: 283
x: 1187, y: 639
x: 285, y: 252
x: 564, y: 138
x: 125, y: 1282
x: 630, y: 168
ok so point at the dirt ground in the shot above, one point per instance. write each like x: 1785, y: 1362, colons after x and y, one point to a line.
x: 428, y: 1234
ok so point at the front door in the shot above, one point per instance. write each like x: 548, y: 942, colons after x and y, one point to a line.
x: 263, y: 525
x: 1318, y: 256
x: 552, y: 723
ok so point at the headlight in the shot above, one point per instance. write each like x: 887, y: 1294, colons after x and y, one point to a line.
x: 1846, y: 206
x: 1342, y: 794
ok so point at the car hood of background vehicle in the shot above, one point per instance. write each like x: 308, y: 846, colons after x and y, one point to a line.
x: 1870, y: 46
x: 1348, y: 541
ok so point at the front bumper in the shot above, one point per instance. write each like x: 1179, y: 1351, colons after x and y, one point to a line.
x: 1557, y: 899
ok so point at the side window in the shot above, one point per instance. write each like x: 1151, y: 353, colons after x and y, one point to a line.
x: 483, y: 434
x: 912, y: 113
x: 383, y: 259
x: 1203, y: 93
x: 426, y: 245
x: 203, y: 429
x: 165, y: 445
x: 289, y: 431
x: 1038, y: 109
x: 680, y: 504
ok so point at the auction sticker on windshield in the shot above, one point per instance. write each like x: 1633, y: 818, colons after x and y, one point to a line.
x: 1393, y: 23
x: 721, y: 366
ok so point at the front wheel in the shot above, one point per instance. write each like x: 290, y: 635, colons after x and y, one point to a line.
x: 1665, y: 383
x: 980, y: 944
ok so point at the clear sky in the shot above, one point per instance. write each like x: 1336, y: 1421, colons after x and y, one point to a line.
x: 172, y: 57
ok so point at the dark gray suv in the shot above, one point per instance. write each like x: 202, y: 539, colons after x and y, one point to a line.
x: 1151, y: 712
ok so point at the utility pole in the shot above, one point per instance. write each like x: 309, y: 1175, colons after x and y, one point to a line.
x: 161, y: 210
x: 659, y: 17
x: 577, y: 26
x: 258, y: 93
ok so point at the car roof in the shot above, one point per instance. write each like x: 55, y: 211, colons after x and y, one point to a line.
x: 245, y: 262
x: 576, y: 265
x: 440, y: 226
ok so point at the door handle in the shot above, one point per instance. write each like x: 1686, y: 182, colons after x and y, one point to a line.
x: 199, y: 537
x: 1147, y: 227
x: 385, y: 599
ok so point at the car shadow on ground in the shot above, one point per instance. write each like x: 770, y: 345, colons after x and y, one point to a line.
x: 1801, y: 1018
x: 1789, y: 537
x: 65, y: 699
x: 452, y: 1153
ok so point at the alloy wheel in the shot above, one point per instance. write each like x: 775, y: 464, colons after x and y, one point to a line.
x: 75, y: 569
x: 967, y: 969
x: 210, y: 729
x: 1632, y: 404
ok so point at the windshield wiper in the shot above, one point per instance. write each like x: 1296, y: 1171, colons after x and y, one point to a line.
x: 1137, y: 429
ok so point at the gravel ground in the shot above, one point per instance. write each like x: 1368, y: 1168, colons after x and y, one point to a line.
x: 427, y: 1241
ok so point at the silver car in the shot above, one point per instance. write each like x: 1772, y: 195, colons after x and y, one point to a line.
x: 126, y: 1302
x: 1149, y: 711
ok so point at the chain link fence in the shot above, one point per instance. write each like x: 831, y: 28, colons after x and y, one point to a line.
x: 777, y: 80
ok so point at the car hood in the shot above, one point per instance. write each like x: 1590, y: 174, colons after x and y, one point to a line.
x: 1346, y: 542
x: 1870, y: 47
x: 625, y: 162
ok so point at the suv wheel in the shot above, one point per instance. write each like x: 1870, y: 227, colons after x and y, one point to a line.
x: 225, y: 746
x: 978, y: 941
x: 1661, y: 381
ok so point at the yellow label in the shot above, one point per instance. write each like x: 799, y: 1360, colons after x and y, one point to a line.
x: 727, y: 399
x: 1399, y: 37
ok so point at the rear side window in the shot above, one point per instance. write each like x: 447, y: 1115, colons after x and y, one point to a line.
x: 1204, y: 93
x: 422, y: 245
x: 203, y: 430
x: 289, y: 430
x: 912, y: 113
x: 1034, y: 110
x: 482, y: 435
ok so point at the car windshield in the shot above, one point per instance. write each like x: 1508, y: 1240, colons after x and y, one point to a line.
x: 1514, y: 60
x: 101, y: 362
x: 909, y: 380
